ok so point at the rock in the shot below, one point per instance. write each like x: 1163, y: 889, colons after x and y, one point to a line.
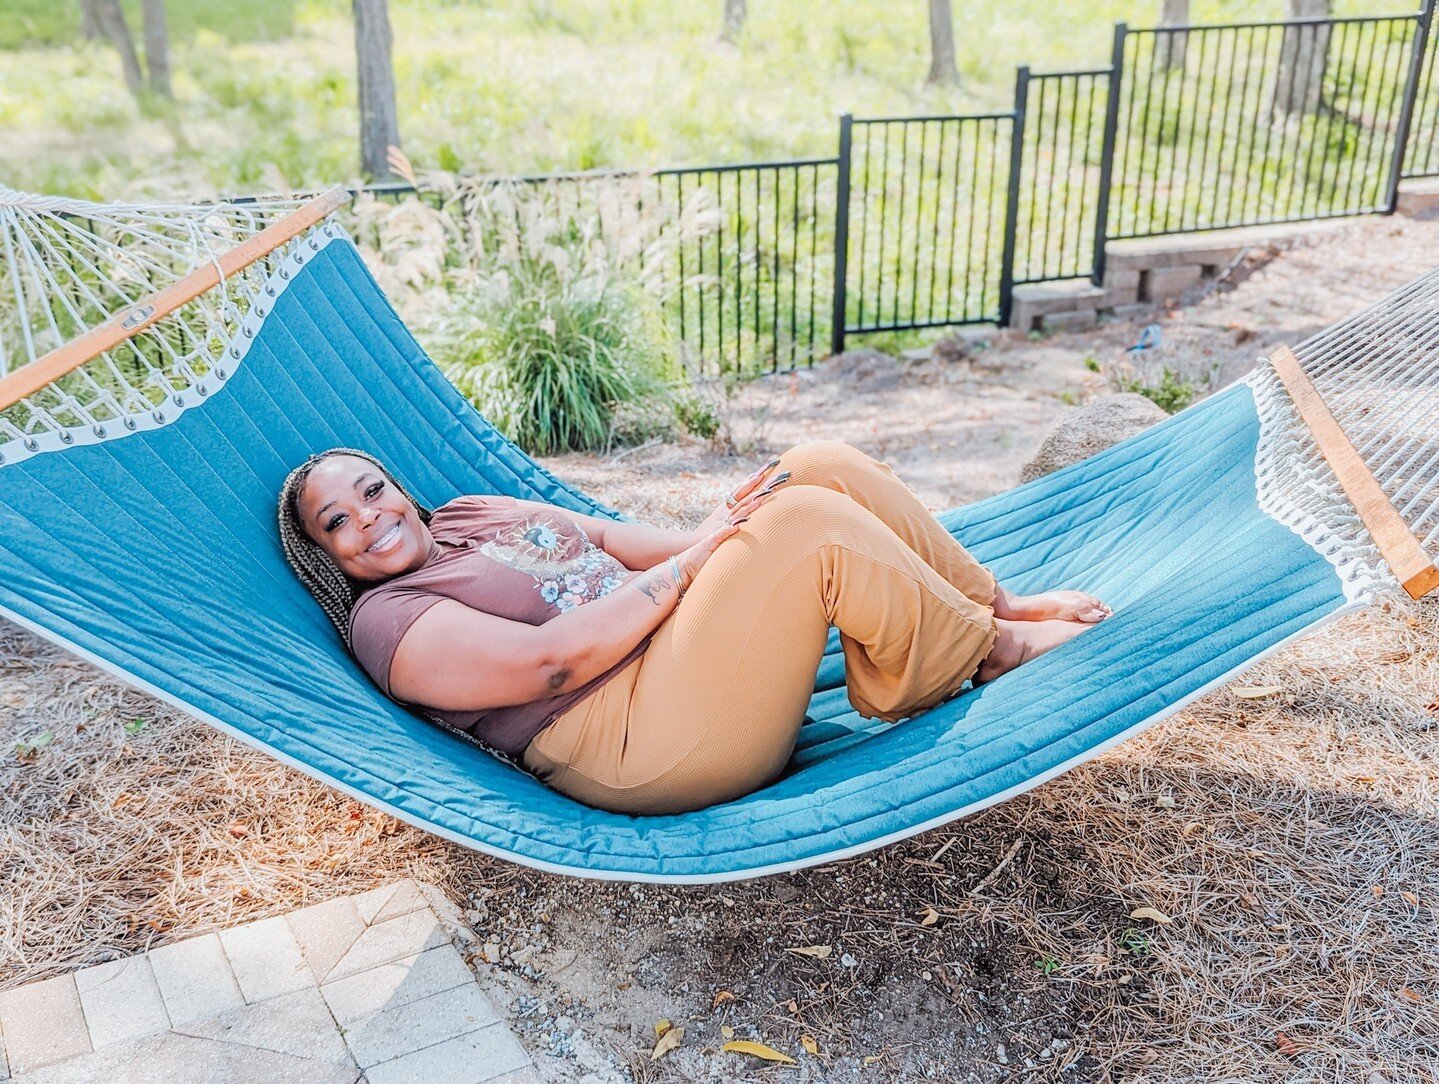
x: 1090, y: 429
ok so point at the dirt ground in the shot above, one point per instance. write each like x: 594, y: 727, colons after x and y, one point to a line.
x: 1290, y: 842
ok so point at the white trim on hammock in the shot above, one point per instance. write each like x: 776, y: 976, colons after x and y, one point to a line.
x: 691, y: 878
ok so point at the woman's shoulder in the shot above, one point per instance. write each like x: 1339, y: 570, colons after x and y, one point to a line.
x: 464, y: 515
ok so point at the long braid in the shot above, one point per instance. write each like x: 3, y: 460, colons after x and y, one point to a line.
x: 333, y: 590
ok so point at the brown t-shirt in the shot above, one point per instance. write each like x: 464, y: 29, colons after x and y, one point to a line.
x: 493, y: 555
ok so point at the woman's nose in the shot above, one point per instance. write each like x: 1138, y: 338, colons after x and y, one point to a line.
x: 369, y: 515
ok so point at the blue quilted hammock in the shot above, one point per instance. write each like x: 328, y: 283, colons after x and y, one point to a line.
x: 155, y: 555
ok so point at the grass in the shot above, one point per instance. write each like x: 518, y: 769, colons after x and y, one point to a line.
x: 265, y: 94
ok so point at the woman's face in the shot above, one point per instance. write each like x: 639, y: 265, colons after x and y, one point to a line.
x: 361, y: 519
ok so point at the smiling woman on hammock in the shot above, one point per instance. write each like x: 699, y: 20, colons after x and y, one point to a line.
x: 561, y: 639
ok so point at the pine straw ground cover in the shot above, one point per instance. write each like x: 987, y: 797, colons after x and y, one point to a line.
x: 1287, y: 843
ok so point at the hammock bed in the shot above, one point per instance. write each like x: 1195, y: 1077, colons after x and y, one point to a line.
x: 142, y: 538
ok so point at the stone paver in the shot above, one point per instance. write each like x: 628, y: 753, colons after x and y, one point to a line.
x: 266, y: 959
x: 298, y: 1024
x: 474, y: 1058
x: 390, y: 901
x: 373, y: 980
x: 407, y: 1028
x: 325, y: 933
x: 121, y: 1001
x: 173, y: 1058
x: 394, y: 984
x: 195, y: 979
x: 385, y: 942
x: 43, y: 1023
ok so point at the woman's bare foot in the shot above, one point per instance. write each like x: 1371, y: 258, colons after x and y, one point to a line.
x: 1020, y: 641
x: 1050, y: 606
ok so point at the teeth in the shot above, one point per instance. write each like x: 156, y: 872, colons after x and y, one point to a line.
x: 383, y: 542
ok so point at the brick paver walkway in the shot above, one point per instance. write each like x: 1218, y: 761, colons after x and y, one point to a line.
x: 366, y: 988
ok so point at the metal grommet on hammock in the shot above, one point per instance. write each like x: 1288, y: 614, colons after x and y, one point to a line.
x: 178, y: 400
x: 269, y: 289
x: 219, y: 373
x: 99, y: 431
x: 66, y: 437
x: 130, y: 424
x: 284, y: 273
x: 158, y: 415
x: 314, y: 245
x: 248, y: 331
x: 235, y: 352
x: 31, y: 444
x: 202, y: 389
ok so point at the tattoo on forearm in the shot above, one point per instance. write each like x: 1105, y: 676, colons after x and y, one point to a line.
x: 651, y: 586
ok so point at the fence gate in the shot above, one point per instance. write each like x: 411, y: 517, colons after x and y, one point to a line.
x: 921, y: 222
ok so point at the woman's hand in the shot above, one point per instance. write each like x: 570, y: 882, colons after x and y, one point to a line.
x: 743, y: 499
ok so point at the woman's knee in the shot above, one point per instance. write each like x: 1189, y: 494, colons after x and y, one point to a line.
x: 801, y: 514
x: 821, y: 462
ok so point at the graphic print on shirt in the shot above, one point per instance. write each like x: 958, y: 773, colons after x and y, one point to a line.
x: 568, y: 568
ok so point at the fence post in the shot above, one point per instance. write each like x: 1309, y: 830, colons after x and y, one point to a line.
x: 841, y: 234
x: 1011, y: 207
x: 1106, y: 155
x: 1406, y: 110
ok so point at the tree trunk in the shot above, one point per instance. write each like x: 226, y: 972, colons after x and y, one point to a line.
x: 379, y: 122
x: 1169, y: 48
x: 734, y: 13
x: 941, y: 40
x: 157, y: 46
x: 112, y: 21
x: 90, y: 26
x: 1303, y: 55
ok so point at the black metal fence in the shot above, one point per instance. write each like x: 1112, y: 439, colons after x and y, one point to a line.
x: 922, y: 222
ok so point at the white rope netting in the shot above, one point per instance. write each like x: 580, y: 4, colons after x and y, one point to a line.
x: 69, y: 265
x: 1378, y: 374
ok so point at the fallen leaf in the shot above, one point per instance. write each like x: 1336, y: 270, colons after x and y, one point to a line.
x: 662, y: 1026
x: 1412, y: 995
x: 931, y: 916
x: 1286, y: 1045
x: 1378, y: 891
x: 1409, y: 898
x: 1254, y: 692
x: 869, y: 1059
x: 135, y: 726
x: 758, y: 1050
x: 668, y: 1041
x: 819, y: 952
x: 721, y: 998
x: 1151, y: 913
x: 811, y: 1047
x: 727, y: 1031
x: 1165, y: 801
x: 793, y: 1006
x: 238, y: 830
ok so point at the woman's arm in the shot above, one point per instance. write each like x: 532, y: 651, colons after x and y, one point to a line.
x: 455, y: 658
x: 634, y: 545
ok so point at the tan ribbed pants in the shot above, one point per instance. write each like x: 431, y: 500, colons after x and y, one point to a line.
x: 712, y: 708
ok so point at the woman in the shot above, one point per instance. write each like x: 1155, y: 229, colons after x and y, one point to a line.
x: 561, y: 639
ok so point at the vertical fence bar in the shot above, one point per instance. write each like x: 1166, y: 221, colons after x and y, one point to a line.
x: 1406, y: 111
x: 1106, y: 154
x: 841, y: 234
x: 1011, y: 207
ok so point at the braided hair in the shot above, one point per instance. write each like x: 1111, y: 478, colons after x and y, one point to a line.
x: 333, y: 590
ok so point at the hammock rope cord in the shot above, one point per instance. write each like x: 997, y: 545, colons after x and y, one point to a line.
x: 73, y: 265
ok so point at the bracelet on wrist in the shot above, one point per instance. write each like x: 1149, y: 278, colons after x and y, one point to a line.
x: 675, y: 572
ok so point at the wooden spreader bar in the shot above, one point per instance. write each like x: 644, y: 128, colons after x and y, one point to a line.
x: 130, y: 321
x: 1405, y: 556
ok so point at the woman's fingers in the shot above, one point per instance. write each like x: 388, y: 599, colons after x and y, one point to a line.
x: 750, y: 484
x: 753, y: 501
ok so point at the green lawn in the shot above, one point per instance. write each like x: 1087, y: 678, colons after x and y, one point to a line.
x: 266, y: 98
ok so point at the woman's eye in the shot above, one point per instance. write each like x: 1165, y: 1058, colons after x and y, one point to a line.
x: 334, y: 522
x: 373, y: 490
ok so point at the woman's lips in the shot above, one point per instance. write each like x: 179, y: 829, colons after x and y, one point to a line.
x: 387, y: 541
